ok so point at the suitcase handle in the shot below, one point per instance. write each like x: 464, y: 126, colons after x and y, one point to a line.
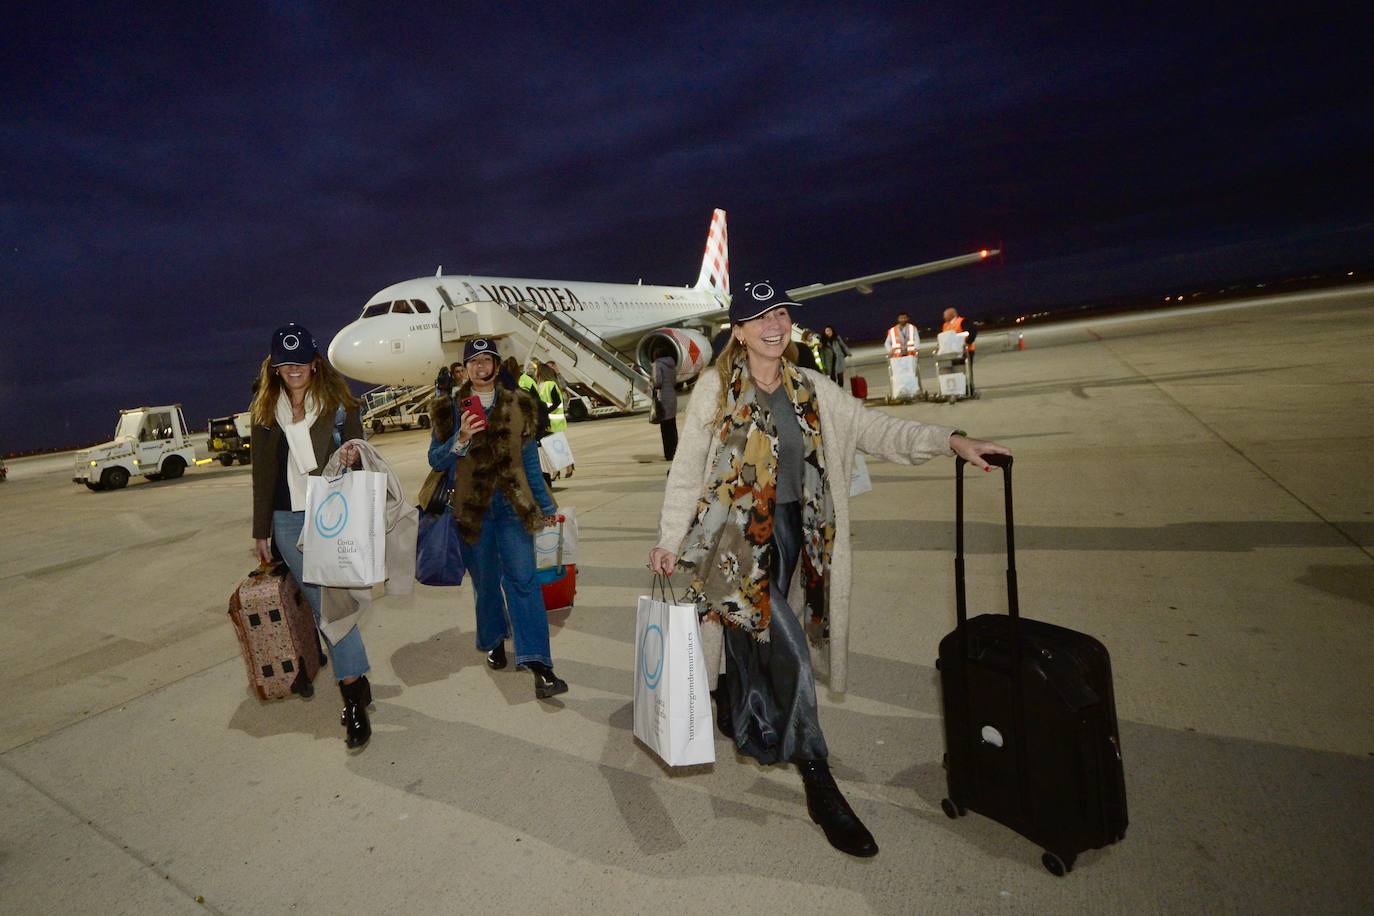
x: 960, y: 595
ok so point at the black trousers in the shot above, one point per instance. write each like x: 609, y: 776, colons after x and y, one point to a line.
x: 668, y: 430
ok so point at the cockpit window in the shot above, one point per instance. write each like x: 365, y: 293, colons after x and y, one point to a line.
x: 420, y: 306
x: 381, y: 308
x: 400, y: 306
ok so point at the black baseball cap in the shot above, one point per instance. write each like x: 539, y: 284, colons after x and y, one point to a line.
x: 757, y: 298
x: 480, y: 346
x: 293, y: 345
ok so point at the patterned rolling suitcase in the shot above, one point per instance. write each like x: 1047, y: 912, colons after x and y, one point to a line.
x: 276, y: 631
x: 1030, y: 720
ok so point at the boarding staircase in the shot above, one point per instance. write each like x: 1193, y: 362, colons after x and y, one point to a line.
x: 396, y: 406
x: 582, y: 355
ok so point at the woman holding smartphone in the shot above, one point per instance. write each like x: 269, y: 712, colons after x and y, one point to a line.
x: 499, y: 501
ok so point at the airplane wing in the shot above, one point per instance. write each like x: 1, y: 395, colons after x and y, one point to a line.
x: 630, y: 336
x: 865, y: 284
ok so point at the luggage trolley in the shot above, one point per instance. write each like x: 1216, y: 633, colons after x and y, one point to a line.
x: 905, y: 383
x: 953, y: 370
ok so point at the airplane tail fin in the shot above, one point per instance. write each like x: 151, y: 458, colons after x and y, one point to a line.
x: 715, y: 265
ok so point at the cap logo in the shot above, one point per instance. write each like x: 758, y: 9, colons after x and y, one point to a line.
x: 479, y: 345
x: 761, y: 292
x: 290, y: 342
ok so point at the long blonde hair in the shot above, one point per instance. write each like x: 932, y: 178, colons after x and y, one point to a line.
x: 327, y: 387
x: 725, y: 367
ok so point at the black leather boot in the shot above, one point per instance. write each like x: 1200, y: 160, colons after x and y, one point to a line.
x: 828, y: 808
x: 357, y: 697
x: 546, y: 683
x: 496, y: 658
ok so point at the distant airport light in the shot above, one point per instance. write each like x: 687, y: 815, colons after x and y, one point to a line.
x: 983, y: 253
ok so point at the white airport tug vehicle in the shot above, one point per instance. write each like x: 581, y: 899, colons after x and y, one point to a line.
x: 152, y: 441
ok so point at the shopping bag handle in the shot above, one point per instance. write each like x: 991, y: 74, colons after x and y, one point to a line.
x: 664, y: 585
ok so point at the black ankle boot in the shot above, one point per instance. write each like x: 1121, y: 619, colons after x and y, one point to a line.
x: 546, y: 683
x: 828, y: 808
x: 725, y: 719
x: 496, y: 658
x: 357, y: 697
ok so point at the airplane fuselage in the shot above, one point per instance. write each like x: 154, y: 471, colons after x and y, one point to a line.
x: 396, y: 340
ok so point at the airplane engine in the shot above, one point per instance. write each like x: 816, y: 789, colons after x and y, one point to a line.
x: 691, y: 349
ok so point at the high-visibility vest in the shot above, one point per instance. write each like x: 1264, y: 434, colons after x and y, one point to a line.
x: 527, y: 382
x: 956, y: 324
x: 902, y: 342
x: 558, y: 416
x: 815, y: 346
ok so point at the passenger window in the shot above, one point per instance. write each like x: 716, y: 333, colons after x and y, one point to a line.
x: 400, y: 306
x: 420, y: 306
x: 381, y: 308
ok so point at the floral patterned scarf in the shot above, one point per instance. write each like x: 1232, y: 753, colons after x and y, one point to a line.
x: 729, y: 546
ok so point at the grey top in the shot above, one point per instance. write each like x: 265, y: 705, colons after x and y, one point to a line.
x: 790, y: 447
x: 665, y: 379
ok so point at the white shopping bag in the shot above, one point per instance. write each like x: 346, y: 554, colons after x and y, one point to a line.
x: 859, y: 481
x: 672, y: 706
x: 547, y: 541
x: 905, y: 383
x: 345, y: 530
x: 557, y: 450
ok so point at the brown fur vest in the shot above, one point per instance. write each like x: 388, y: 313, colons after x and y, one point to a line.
x: 493, y: 460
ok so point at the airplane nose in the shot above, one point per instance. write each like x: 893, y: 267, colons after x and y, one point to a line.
x: 357, y: 353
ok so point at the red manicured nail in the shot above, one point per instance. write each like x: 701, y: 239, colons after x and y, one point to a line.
x: 987, y: 468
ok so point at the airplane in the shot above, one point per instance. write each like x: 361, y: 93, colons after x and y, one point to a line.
x: 396, y: 340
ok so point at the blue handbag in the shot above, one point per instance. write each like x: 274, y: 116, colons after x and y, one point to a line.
x: 438, y: 559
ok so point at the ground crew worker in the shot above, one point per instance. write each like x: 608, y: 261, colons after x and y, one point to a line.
x: 814, y: 345
x: 902, y: 339
x: 955, y: 322
x: 552, y: 395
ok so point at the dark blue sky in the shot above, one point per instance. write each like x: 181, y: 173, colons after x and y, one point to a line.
x: 178, y: 183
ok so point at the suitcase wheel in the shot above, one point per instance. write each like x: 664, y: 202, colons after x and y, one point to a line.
x: 954, y: 811
x: 1055, y: 865
x: 302, y: 685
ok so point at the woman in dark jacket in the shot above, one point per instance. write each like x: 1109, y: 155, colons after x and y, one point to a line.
x: 834, y: 351
x: 296, y: 411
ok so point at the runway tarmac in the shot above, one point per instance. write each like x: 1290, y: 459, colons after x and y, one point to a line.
x: 1198, y: 495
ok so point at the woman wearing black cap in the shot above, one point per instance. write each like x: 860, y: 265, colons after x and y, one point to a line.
x: 499, y: 501
x: 298, y: 407
x: 757, y: 512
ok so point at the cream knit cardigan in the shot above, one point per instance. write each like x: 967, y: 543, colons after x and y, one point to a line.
x: 847, y: 426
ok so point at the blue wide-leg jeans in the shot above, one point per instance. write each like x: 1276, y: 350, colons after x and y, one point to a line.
x: 348, y: 654
x: 509, y: 601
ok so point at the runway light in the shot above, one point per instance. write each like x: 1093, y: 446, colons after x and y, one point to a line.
x: 983, y: 253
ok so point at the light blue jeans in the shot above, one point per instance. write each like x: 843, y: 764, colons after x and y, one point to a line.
x: 509, y: 600
x: 348, y: 654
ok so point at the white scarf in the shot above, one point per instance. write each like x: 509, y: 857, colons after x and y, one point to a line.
x: 302, y: 451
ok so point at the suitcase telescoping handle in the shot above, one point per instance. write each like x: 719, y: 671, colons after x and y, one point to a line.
x: 960, y: 596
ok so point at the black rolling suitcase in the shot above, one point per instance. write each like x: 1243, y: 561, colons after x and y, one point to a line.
x: 1038, y: 752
